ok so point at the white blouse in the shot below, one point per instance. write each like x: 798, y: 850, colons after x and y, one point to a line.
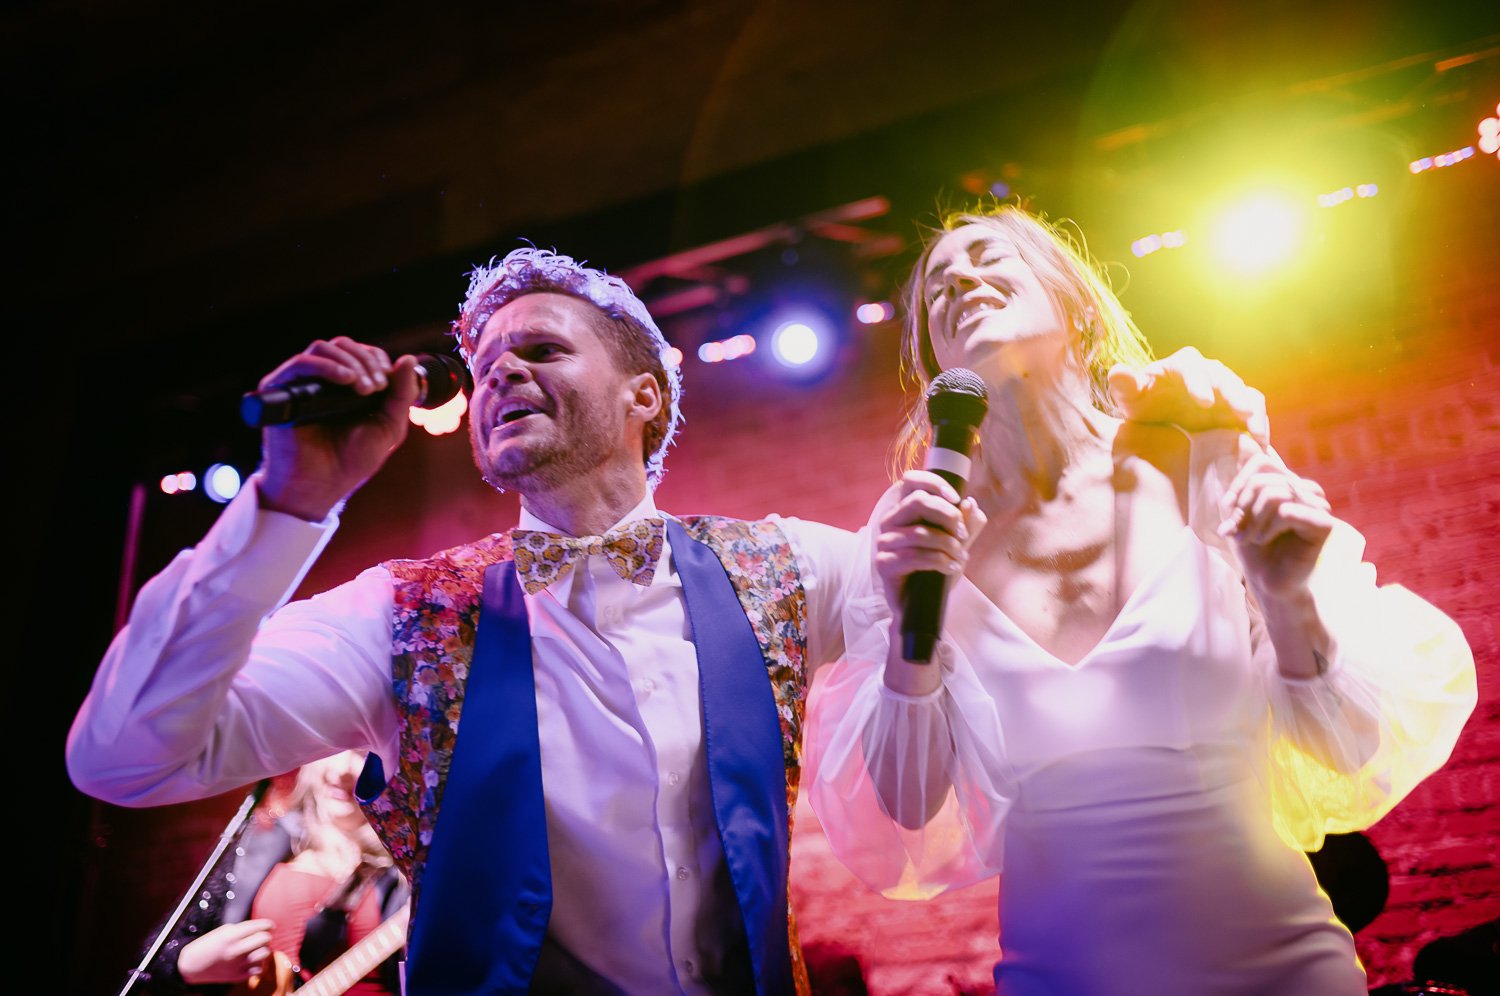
x: 1185, y: 668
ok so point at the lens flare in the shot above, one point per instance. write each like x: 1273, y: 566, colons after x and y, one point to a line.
x: 1258, y: 232
x: 443, y: 419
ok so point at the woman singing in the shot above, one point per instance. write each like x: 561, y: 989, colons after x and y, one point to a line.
x: 1165, y: 672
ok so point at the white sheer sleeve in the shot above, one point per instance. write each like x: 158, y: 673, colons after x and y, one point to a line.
x: 877, y: 762
x: 1347, y: 746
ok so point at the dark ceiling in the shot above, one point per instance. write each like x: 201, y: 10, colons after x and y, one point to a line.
x: 200, y: 190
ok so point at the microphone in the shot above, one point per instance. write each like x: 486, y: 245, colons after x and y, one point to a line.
x: 956, y: 403
x: 439, y: 378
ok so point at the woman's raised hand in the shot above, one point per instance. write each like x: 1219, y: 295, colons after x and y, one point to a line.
x: 1192, y: 392
x: 1279, y: 521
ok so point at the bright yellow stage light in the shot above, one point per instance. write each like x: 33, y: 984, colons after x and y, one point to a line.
x: 1258, y: 232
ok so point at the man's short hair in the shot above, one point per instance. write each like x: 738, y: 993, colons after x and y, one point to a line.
x: 638, y: 343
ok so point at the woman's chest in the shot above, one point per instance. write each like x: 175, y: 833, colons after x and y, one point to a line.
x: 1065, y: 574
x: 1174, y: 667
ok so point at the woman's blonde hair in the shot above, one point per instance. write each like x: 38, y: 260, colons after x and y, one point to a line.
x: 1078, y: 284
x: 361, y: 846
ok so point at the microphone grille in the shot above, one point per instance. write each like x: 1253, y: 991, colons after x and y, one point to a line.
x: 957, y: 395
x: 445, y: 376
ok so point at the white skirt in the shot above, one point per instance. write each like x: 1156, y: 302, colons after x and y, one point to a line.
x: 1156, y: 872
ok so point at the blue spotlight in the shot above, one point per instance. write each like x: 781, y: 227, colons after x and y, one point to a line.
x: 801, y: 340
x: 221, y: 482
x: 795, y: 344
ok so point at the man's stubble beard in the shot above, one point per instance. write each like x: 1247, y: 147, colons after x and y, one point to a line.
x: 544, y: 464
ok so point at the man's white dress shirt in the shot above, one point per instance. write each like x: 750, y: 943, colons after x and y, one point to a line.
x: 198, y: 696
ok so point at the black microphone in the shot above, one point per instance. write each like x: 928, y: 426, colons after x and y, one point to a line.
x: 956, y: 403
x: 439, y: 377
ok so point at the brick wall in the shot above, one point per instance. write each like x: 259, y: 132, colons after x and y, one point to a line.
x: 1410, y: 453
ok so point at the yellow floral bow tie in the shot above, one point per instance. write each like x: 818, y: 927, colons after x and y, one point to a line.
x: 632, y: 550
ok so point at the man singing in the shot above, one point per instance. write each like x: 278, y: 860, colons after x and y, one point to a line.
x: 616, y: 816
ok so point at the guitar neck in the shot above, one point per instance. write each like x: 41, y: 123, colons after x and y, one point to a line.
x: 356, y: 963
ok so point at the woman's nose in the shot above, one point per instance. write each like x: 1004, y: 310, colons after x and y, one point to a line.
x: 962, y: 278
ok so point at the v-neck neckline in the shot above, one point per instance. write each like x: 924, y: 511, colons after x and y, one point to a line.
x: 1152, y: 578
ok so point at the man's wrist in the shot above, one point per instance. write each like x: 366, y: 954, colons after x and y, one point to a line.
x: 311, y: 503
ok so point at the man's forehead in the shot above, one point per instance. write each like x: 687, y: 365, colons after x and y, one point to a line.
x: 540, y: 311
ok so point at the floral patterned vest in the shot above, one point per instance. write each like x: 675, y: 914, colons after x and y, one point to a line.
x: 437, y: 609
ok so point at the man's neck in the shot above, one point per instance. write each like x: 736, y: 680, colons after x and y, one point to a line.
x: 587, y: 507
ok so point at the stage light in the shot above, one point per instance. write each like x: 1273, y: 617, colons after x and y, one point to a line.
x: 800, y: 337
x: 1489, y: 134
x: 986, y: 181
x: 795, y: 344
x: 672, y: 358
x: 875, y: 312
x: 732, y: 348
x: 1438, y: 162
x: 443, y: 419
x: 1337, y: 197
x: 221, y: 482
x: 1149, y: 244
x: 181, y: 483
x: 1258, y: 232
